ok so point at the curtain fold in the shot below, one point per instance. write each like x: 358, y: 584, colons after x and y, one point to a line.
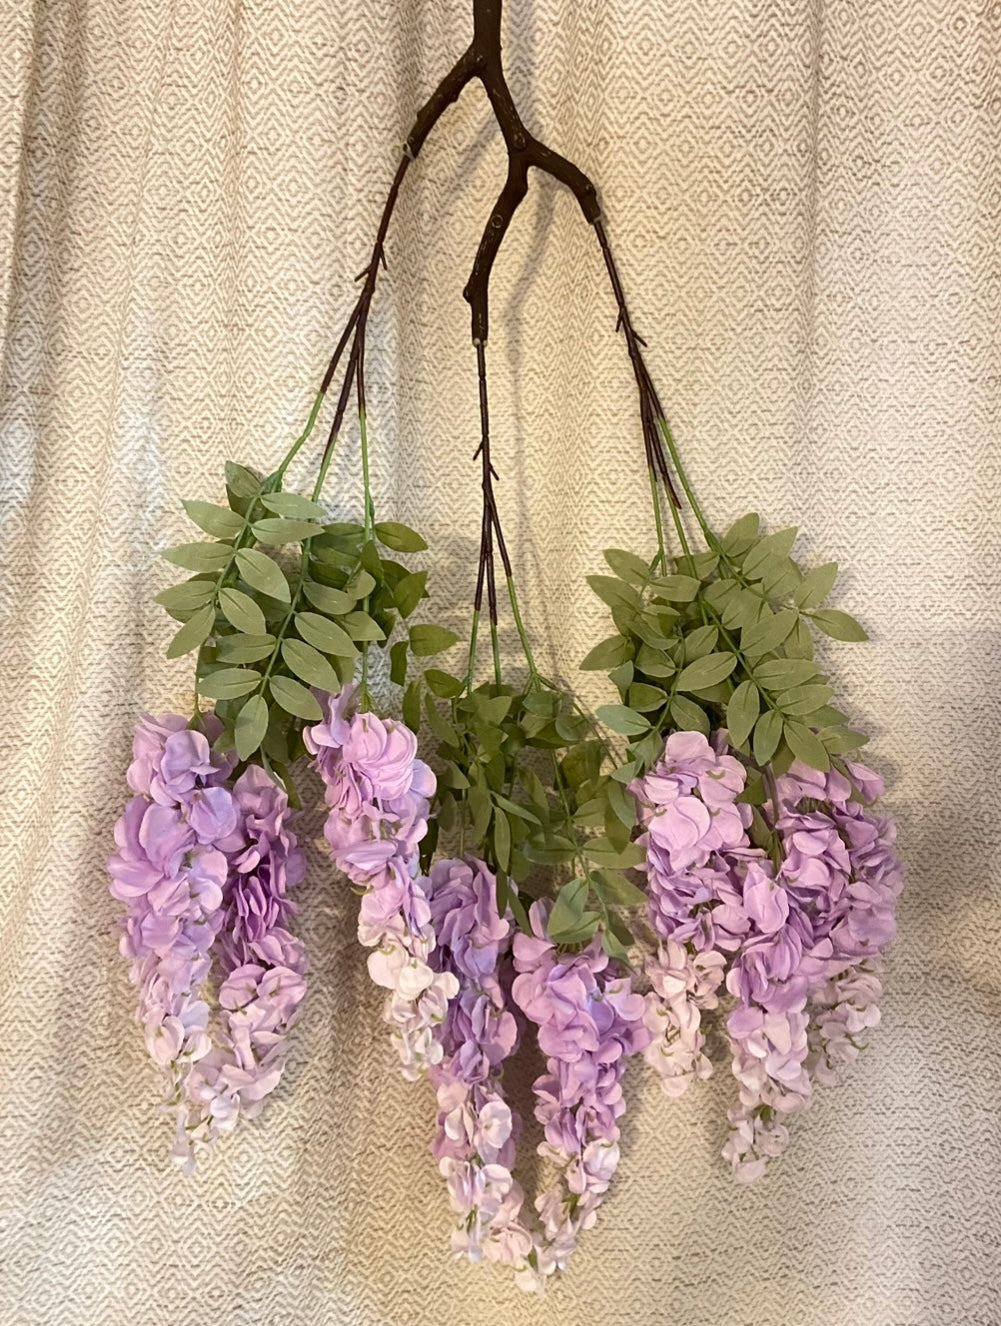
x: 805, y: 198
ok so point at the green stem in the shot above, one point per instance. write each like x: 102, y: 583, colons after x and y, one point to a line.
x: 471, y: 664
x: 658, y: 520
x: 495, y: 646
x: 301, y: 440
x: 369, y: 511
x: 522, y: 633
x: 710, y: 537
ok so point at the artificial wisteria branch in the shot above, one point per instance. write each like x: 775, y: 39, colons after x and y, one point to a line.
x: 604, y: 885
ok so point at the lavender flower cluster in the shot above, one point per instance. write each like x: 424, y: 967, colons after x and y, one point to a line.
x: 796, y: 949
x: 377, y: 795
x: 203, y: 866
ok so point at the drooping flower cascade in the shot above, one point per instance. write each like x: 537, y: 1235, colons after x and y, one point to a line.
x: 202, y: 868
x: 477, y: 1130
x: 799, y: 950
x: 377, y: 793
x: 589, y: 1021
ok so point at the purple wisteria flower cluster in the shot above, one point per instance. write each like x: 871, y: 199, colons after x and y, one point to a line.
x: 588, y: 1021
x: 203, y: 865
x: 377, y: 791
x: 793, y: 949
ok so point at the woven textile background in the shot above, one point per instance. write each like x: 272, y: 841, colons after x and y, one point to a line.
x: 805, y: 198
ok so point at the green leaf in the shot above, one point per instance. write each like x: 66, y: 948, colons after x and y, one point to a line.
x: 187, y: 596
x: 244, y: 648
x: 609, y: 654
x: 310, y: 666
x: 689, y: 716
x: 742, y: 712
x: 409, y: 591
x: 361, y: 584
x: 205, y: 558
x: 839, y: 625
x: 275, y: 529
x: 622, y: 719
x: 767, y: 735
x: 331, y: 602
x: 676, y: 589
x: 399, y: 537
x: 816, y: 585
x: 642, y: 696
x: 219, y: 521
x: 251, y: 725
x: 616, y: 890
x: 428, y: 640
x: 569, y: 906
x: 263, y: 574
x: 614, y: 592
x: 803, y: 700
x: 840, y: 740
x: 325, y: 635
x: 654, y: 662
x: 799, y: 642
x: 767, y: 634
x: 502, y: 839
x: 229, y: 683
x: 360, y: 626
x: 292, y: 506
x: 623, y: 803
x: 603, y: 853
x: 774, y: 546
x: 778, y: 674
x: 398, y: 663
x: 242, y: 481
x: 555, y: 850
x: 443, y: 684
x: 741, y: 535
x: 512, y: 808
x: 701, y: 641
x: 295, y: 699
x: 706, y: 672
x: 242, y: 613
x: 195, y: 631
x: 412, y: 705
x: 627, y: 566
x: 806, y: 746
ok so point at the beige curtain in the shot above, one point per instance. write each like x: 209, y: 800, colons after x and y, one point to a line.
x: 805, y: 197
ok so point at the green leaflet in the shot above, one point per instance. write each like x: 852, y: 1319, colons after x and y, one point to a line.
x: 816, y: 585
x: 427, y: 640
x: 244, y: 648
x: 278, y: 530
x: 623, y: 720
x: 742, y: 712
x: 324, y: 635
x: 706, y: 672
x: 251, y: 725
x: 229, y: 683
x: 333, y: 602
x: 609, y: 654
x: 767, y: 735
x: 242, y: 613
x: 806, y: 746
x: 204, y: 558
x: 187, y: 596
x: 627, y: 566
x: 400, y: 538
x: 263, y: 574
x: 193, y: 633
x: 292, y: 506
x: 219, y: 521
x: 295, y: 699
x: 839, y: 625
x: 310, y: 666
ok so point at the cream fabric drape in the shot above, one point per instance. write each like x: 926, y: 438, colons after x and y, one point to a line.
x: 805, y: 198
